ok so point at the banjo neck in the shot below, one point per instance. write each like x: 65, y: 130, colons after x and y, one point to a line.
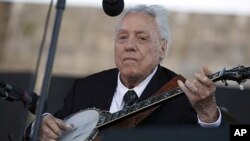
x: 137, y: 107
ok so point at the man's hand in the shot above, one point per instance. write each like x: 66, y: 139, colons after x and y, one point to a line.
x: 201, y: 94
x: 51, y: 128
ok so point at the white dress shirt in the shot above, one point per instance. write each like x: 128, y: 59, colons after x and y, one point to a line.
x: 117, y: 102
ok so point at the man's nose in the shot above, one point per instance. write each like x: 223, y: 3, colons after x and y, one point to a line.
x: 131, y: 44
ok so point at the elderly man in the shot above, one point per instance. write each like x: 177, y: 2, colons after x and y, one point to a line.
x: 141, y: 42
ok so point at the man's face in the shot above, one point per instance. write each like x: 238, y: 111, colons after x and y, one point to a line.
x: 138, y: 46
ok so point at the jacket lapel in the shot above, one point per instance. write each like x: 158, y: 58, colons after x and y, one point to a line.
x: 106, y: 92
x: 159, y: 79
x: 104, y: 98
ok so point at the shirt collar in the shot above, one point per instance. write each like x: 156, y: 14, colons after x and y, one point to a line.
x: 121, y: 89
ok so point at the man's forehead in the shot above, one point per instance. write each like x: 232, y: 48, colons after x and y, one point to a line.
x: 136, y: 23
x: 138, y: 31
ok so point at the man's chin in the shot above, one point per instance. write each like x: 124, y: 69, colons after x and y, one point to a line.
x: 131, y: 74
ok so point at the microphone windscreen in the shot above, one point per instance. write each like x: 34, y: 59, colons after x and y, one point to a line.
x: 113, y: 7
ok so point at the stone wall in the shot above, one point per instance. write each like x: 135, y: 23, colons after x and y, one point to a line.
x: 4, y: 17
x: 85, y: 43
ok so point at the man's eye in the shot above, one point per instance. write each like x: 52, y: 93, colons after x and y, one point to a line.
x: 122, y: 37
x: 142, y: 38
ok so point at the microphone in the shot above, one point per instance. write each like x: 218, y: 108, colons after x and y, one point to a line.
x: 11, y: 93
x: 113, y: 7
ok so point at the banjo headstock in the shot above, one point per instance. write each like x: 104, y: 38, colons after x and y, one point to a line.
x: 238, y: 74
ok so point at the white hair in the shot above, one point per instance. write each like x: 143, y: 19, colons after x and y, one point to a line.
x: 160, y: 15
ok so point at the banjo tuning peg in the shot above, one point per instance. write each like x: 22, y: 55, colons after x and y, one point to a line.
x: 225, y: 82
x: 241, y: 87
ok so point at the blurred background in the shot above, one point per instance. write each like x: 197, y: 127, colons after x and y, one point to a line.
x: 215, y: 33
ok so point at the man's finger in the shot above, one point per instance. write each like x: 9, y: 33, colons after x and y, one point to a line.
x: 203, y: 79
x: 64, y: 126
x: 185, y: 89
x: 207, y: 71
x: 54, y: 127
x: 48, y: 133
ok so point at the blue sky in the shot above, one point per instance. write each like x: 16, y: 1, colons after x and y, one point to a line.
x: 235, y: 7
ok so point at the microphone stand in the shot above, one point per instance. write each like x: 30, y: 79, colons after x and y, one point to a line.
x: 11, y: 93
x: 43, y: 97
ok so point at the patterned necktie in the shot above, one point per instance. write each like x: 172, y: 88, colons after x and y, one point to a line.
x: 130, y: 98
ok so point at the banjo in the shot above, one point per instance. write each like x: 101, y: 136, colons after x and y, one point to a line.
x: 87, y: 122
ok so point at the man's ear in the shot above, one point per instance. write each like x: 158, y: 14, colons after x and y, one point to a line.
x: 163, y: 49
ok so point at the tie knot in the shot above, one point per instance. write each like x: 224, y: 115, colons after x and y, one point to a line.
x: 130, y: 98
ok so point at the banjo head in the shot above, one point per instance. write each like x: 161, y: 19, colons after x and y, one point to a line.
x: 84, y: 124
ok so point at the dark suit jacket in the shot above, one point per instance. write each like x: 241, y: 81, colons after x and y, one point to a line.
x: 97, y: 91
